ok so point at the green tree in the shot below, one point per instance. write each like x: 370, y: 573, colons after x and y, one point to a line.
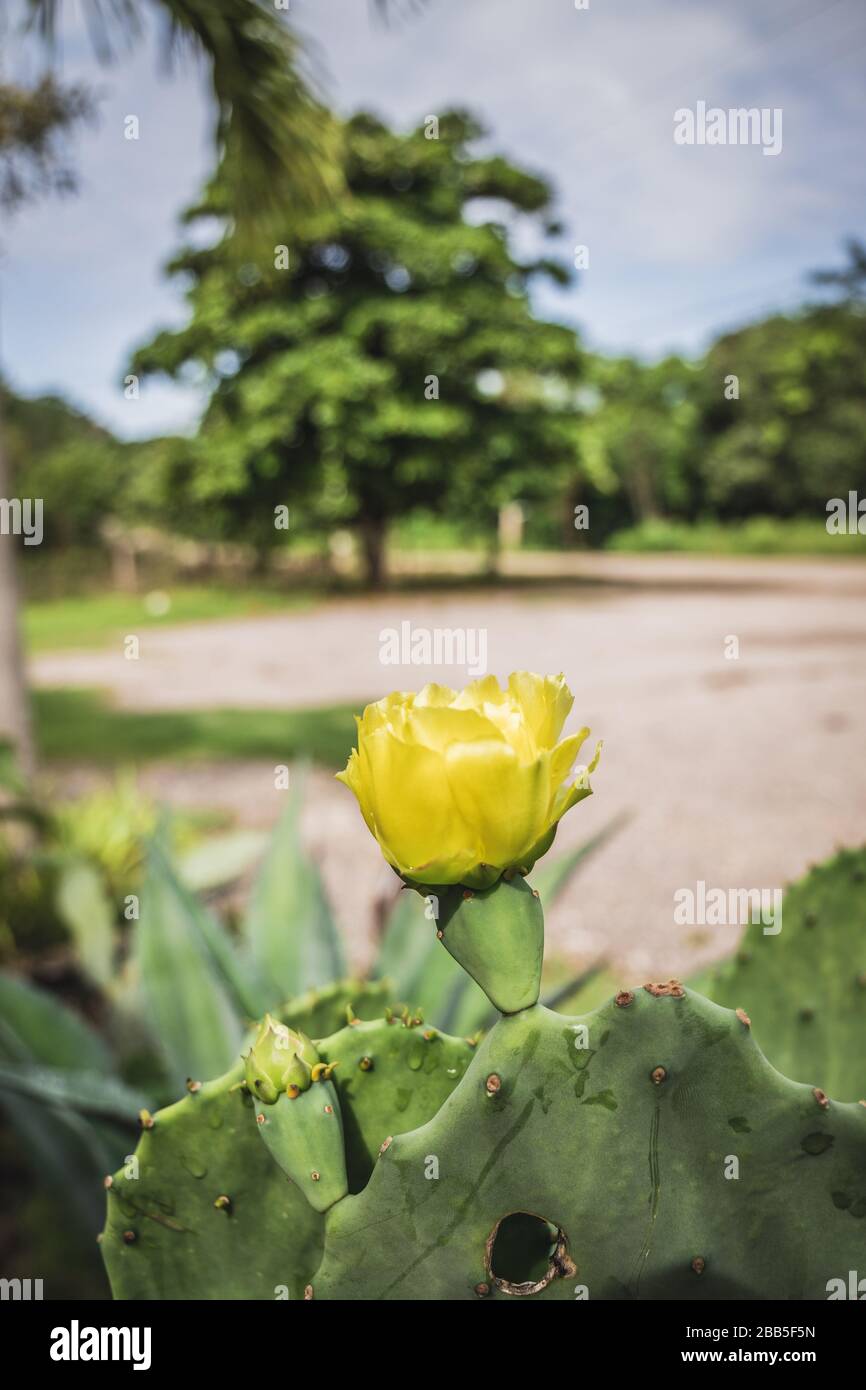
x: 377, y: 356
x: 281, y: 141
x: 795, y: 435
x: 34, y: 123
x: 850, y: 280
x: 637, y: 440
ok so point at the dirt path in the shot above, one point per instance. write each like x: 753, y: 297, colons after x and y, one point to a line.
x: 739, y: 771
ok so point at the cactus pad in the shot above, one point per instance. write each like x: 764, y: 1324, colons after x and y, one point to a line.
x: 209, y: 1214
x: 646, y: 1150
x: 497, y: 935
x: 805, y: 988
x: 391, y: 1076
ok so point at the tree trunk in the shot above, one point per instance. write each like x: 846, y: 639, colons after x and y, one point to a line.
x: 493, y: 548
x: 124, y: 567
x: 570, y: 533
x: 15, y: 726
x: 372, y: 531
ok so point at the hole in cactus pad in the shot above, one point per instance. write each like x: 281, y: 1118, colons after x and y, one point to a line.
x: 525, y: 1252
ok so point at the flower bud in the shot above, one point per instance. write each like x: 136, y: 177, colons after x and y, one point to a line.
x: 279, y: 1058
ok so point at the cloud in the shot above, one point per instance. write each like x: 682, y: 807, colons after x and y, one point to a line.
x: 683, y: 240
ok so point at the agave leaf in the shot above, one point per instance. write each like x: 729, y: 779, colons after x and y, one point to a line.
x: 86, y: 910
x: 291, y: 934
x: 81, y: 1092
x: 191, y: 1006
x: 36, y: 1027
x: 220, y: 859
x: 552, y: 876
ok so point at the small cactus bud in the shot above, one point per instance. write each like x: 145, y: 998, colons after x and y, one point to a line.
x: 279, y: 1060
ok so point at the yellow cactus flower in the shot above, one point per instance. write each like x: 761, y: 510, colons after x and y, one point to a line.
x: 458, y: 788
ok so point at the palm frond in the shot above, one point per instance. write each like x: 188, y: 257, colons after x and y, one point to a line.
x: 279, y: 144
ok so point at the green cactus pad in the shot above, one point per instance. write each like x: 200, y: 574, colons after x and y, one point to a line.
x: 304, y: 1136
x: 805, y: 988
x: 319, y: 1012
x: 497, y: 935
x: 391, y: 1077
x: 612, y: 1153
x: 268, y: 1239
x: 168, y: 1234
x: 164, y: 1236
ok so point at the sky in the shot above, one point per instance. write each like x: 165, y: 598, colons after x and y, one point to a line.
x: 684, y: 240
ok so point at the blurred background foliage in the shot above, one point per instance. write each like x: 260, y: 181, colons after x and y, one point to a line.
x: 318, y: 404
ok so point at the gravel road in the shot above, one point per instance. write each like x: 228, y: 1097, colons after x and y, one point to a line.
x: 739, y: 770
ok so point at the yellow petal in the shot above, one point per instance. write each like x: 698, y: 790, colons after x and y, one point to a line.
x: 434, y: 696
x: 416, y: 820
x: 563, y: 758
x: 566, y: 797
x: 477, y: 694
x: 437, y: 728
x: 545, y: 701
x: 505, y: 799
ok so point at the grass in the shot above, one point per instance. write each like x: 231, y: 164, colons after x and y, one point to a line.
x: 81, y: 725
x: 89, y: 620
x: 756, y: 535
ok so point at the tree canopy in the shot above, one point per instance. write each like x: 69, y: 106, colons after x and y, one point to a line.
x: 382, y: 355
